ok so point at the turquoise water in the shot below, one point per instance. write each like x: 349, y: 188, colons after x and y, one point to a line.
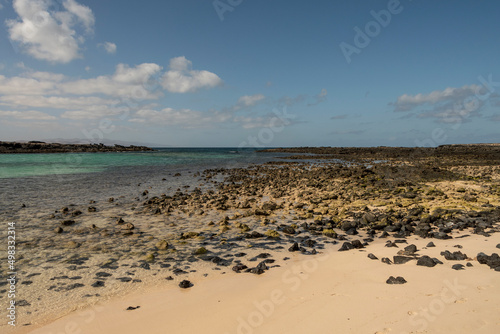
x: 26, y: 165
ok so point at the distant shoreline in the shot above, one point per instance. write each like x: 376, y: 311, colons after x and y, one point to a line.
x: 42, y: 147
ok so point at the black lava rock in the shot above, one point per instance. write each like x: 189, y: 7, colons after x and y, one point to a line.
x: 346, y: 246
x: 185, y: 284
x: 458, y: 267
x: 373, y: 257
x: 395, y: 280
x: 426, y: 261
x: 455, y: 256
x: 294, y: 248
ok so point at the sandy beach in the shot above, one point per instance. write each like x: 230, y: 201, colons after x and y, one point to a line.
x: 335, y: 292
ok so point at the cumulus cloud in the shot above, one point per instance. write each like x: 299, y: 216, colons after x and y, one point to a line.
x: 49, y: 34
x: 126, y: 81
x: 182, y: 79
x: 108, y: 47
x: 185, y: 118
x: 449, y: 95
x: 451, y: 105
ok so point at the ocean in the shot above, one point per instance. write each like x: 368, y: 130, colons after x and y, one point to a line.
x: 58, y: 178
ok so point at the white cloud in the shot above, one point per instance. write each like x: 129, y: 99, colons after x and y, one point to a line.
x: 48, y: 34
x: 54, y: 102
x: 125, y: 82
x: 27, y: 86
x: 109, y: 47
x: 94, y: 112
x: 449, y: 95
x: 27, y: 115
x: 182, y: 79
x: 250, y: 100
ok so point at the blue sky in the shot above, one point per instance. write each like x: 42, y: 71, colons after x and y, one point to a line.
x: 251, y: 73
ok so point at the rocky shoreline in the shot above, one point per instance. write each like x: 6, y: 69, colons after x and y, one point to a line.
x: 42, y: 147
x: 260, y: 216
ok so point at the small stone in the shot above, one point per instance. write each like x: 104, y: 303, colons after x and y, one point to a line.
x: 98, y: 284
x: 373, y: 257
x: 411, y: 249
x: 455, y: 256
x: 91, y: 209
x: 200, y: 251
x: 386, y: 260
x: 430, y: 244
x: 395, y: 280
x: 294, y: 248
x: 458, y: 267
x: 58, y: 230
x: 128, y: 226
x: 131, y: 308
x: 185, y: 284
x: 498, y: 246
x: 120, y: 221
x: 68, y: 222
x: 239, y: 267
x: 469, y: 264
x: 103, y: 274
x: 346, y: 246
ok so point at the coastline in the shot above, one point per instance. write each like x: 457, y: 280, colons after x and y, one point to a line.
x: 237, y: 228
x: 42, y: 147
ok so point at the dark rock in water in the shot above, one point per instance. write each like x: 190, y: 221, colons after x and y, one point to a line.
x: 386, y: 260
x: 98, y: 284
x: 426, y: 261
x: 458, y: 267
x: 68, y: 222
x: 145, y: 266
x: 23, y: 302
x: 373, y: 257
x: 294, y: 248
x: 239, y: 267
x: 124, y: 279
x: 455, y: 256
x: 346, y: 246
x: 131, y: 308
x: 395, y: 280
x: 128, y: 227
x: 74, y: 286
x: 398, y: 259
x: 430, y: 244
x: 357, y: 244
x: 185, y: 284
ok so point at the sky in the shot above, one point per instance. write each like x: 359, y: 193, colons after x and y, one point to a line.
x: 260, y: 73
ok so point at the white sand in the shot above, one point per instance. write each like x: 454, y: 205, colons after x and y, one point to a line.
x: 340, y: 292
